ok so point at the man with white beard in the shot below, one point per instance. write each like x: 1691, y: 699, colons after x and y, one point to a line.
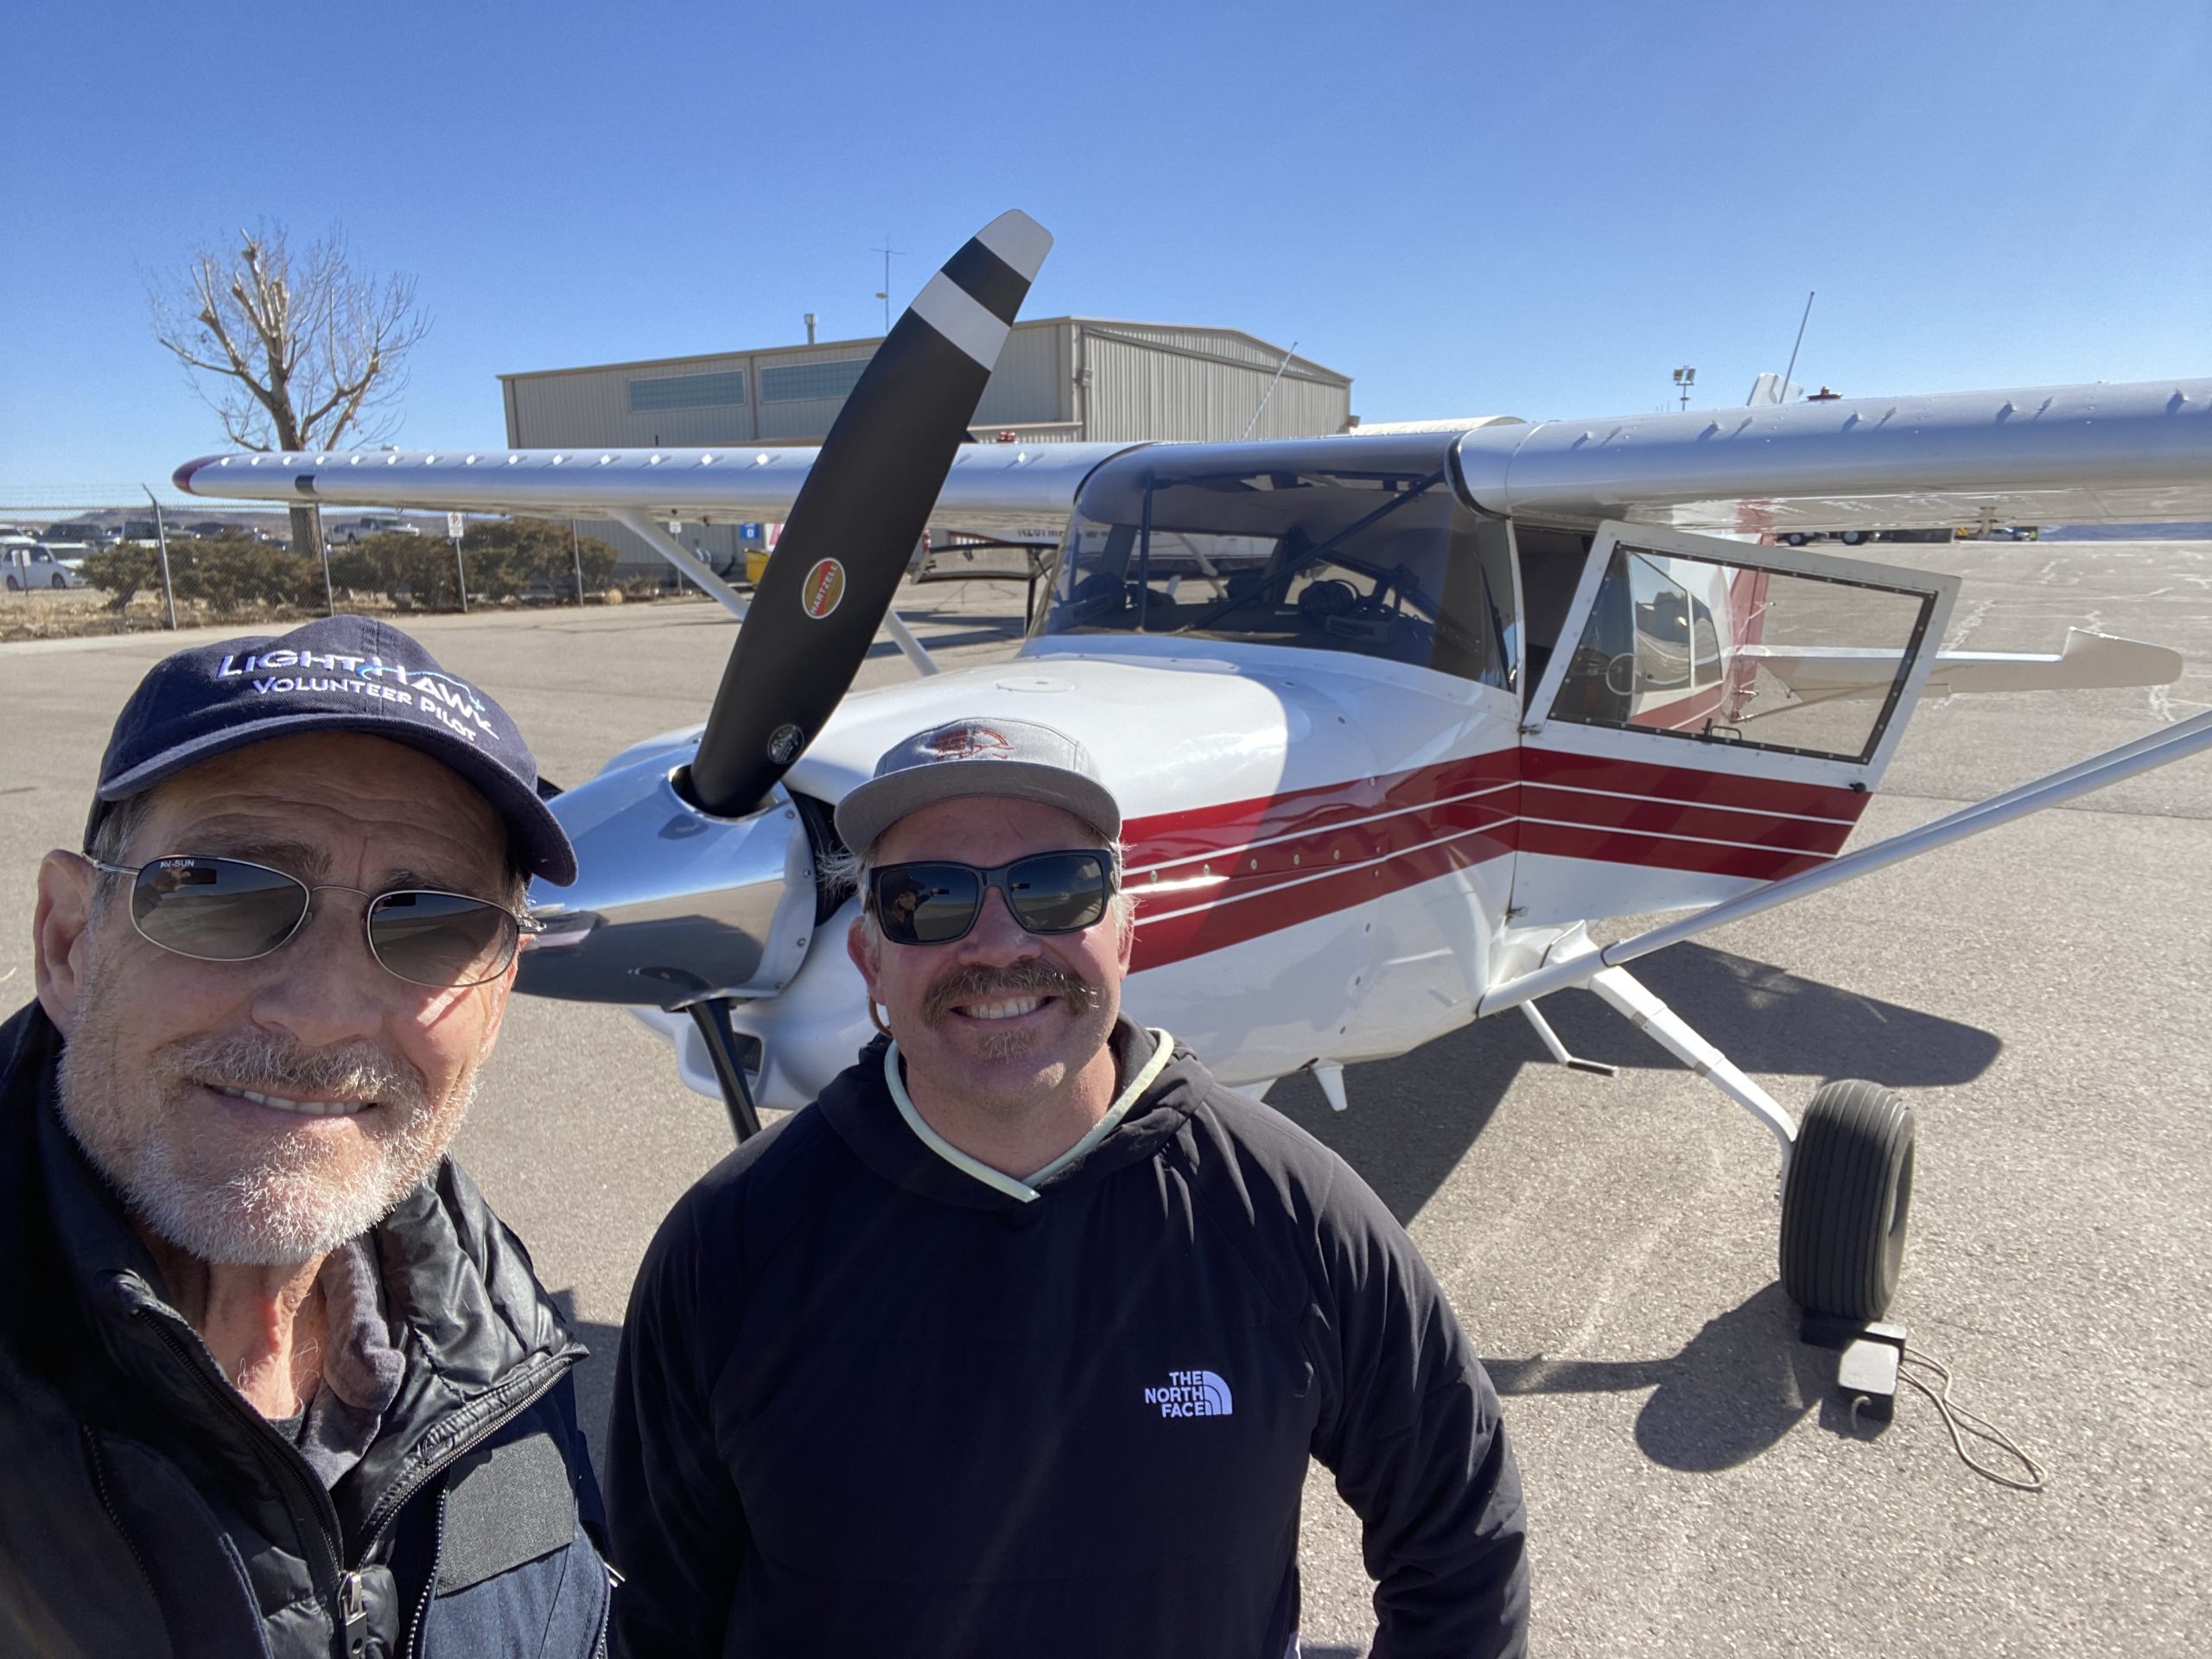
x: 273, y: 1378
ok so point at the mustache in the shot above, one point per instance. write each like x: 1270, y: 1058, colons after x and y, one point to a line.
x: 269, y: 1064
x: 977, y: 983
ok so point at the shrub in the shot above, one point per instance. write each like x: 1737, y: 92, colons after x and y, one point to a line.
x: 229, y: 571
x: 510, y: 558
x: 120, y: 571
x: 222, y: 572
x: 517, y: 558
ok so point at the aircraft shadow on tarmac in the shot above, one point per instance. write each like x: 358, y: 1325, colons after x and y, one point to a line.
x: 1745, y: 1380
x: 1412, y: 1118
x: 1741, y: 1383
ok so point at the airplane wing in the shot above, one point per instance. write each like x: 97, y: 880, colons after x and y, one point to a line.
x: 2128, y: 454
x: 2038, y: 455
x: 2088, y: 661
x: 992, y: 486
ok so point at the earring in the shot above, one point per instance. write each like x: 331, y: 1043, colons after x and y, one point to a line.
x: 879, y: 1020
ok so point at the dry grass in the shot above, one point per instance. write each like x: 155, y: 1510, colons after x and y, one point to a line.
x: 83, y: 612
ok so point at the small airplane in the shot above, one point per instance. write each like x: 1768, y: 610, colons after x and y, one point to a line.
x: 1392, y: 718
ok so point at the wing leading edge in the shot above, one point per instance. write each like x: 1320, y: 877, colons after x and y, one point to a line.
x: 990, y: 486
x: 2041, y: 455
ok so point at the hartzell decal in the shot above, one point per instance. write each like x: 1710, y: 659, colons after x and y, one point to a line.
x: 824, y: 587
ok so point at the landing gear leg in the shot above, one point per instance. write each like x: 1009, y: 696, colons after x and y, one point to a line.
x: 1846, y: 1172
x: 711, y: 1015
x: 1627, y: 993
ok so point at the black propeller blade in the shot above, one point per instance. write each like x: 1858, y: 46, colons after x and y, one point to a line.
x: 863, y: 506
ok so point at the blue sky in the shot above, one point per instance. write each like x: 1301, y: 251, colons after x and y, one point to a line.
x: 1532, y: 209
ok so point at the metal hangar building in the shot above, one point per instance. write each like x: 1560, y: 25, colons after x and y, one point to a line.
x: 1059, y: 379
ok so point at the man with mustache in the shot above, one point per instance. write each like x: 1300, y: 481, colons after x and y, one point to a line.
x: 273, y: 1378
x: 1018, y: 1339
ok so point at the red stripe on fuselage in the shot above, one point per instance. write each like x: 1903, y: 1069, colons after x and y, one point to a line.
x: 1689, y: 784
x: 1222, y: 874
x: 1664, y: 817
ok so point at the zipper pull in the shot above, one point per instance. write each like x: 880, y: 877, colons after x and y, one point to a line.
x: 354, y: 1607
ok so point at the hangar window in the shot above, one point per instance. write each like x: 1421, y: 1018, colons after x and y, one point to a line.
x: 1388, y: 564
x: 791, y: 382
x: 657, y: 392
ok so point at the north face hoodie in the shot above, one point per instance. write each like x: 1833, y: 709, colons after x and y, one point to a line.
x: 869, y: 1403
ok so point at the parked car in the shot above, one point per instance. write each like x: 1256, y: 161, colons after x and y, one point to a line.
x: 26, y: 565
x: 376, y: 524
x: 93, y: 535
x: 1848, y: 537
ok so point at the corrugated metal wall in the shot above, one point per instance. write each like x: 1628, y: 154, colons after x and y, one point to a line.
x: 1058, y: 378
x: 1033, y: 381
x: 1200, y: 386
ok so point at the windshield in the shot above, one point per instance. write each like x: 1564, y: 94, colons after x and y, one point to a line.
x: 1385, y: 564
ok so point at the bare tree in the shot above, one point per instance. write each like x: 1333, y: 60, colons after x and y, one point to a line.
x: 291, y: 353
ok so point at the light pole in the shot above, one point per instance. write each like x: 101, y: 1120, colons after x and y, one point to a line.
x: 886, y: 251
x: 1685, y: 378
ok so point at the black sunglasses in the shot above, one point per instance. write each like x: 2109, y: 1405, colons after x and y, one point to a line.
x: 228, y: 909
x: 936, y: 902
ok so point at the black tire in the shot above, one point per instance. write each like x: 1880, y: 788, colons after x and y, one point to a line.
x: 60, y: 582
x: 14, y: 585
x: 1846, y: 1202
x: 1853, y: 538
x: 1796, y: 538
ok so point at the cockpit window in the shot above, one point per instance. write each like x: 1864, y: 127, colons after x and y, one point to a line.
x: 1383, y: 565
x: 1808, y: 664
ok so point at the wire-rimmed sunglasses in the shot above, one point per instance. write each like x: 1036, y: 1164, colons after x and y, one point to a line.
x: 232, y: 910
x: 935, y: 901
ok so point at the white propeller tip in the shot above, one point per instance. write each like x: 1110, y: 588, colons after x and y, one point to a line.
x: 1018, y: 240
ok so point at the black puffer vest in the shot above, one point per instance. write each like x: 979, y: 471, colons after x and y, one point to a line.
x: 146, y: 1509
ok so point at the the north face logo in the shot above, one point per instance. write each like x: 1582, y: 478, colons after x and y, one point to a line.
x: 1191, y: 1393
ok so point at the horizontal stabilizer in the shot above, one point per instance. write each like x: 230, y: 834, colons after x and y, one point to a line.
x: 2089, y: 661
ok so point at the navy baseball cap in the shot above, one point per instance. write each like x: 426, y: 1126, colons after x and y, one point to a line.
x: 340, y: 674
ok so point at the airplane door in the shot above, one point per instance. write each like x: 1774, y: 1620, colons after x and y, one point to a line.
x: 1715, y: 714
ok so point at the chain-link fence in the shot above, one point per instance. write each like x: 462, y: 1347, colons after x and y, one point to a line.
x: 74, y: 565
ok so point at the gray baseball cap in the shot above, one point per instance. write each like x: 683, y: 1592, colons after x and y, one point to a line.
x: 982, y: 756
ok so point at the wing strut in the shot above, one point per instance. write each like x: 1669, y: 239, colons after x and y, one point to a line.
x: 2114, y: 765
x: 684, y: 559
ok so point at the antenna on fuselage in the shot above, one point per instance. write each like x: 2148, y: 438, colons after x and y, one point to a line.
x: 1793, y: 345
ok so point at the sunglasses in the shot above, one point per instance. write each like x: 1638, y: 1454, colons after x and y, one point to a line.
x: 937, y: 902
x: 228, y: 909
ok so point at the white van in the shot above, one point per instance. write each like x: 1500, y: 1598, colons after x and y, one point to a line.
x: 25, y: 564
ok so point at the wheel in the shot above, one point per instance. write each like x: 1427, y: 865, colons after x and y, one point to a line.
x: 1853, y: 538
x: 13, y: 584
x: 1845, y: 1206
x: 60, y: 582
x: 1796, y: 538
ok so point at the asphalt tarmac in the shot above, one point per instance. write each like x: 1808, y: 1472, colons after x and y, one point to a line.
x: 1694, y: 1485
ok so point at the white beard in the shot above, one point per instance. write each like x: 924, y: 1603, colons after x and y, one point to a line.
x: 283, y: 1203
